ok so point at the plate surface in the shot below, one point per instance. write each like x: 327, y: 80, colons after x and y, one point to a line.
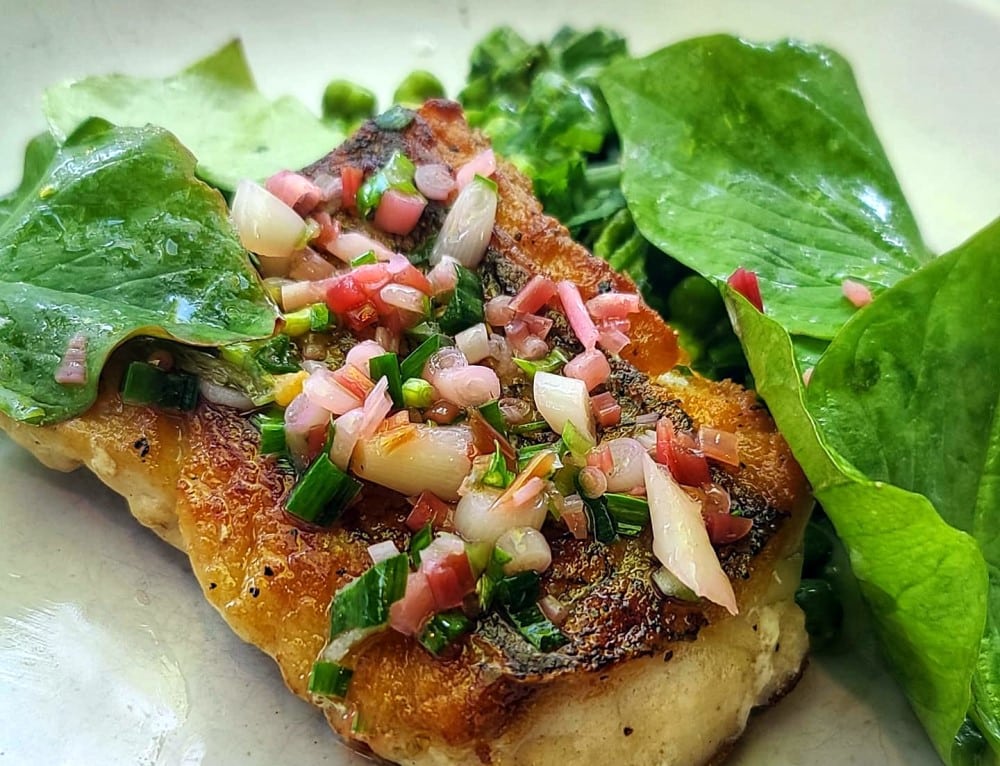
x: 109, y: 654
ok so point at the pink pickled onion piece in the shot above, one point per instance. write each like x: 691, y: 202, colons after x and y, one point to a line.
x: 345, y: 437
x: 613, y: 305
x: 554, y: 610
x: 364, y: 352
x: 574, y: 516
x: 719, y: 445
x: 680, y: 540
x: 350, y: 244
x: 858, y: 294
x: 296, y: 295
x: 591, y: 367
x: 498, y: 311
x: 409, y: 614
x: 474, y: 342
x: 331, y: 189
x: 329, y: 229
x: 537, y: 326
x: 403, y: 297
x: 323, y: 389
x: 376, y: 407
x: 307, y: 264
x: 434, y: 181
x: 483, y: 164
x: 468, y: 386
x: 536, y: 293
x: 301, y: 417
x: 444, y: 276
x: 398, y: 213
x: 606, y: 410
x: 600, y: 457
x: 522, y: 497
x: 295, y: 190
x: 403, y: 272
x: 72, y: 369
x: 746, y: 284
x: 612, y: 339
x: 576, y: 313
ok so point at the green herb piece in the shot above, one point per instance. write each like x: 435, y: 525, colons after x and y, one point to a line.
x: 497, y: 474
x: 443, y: 629
x: 418, y: 393
x: 517, y: 591
x: 578, y: 443
x: 364, y: 602
x: 552, y: 362
x: 492, y: 572
x: 413, y: 365
x: 466, y: 305
x: 297, y: 323
x: 536, y: 628
x: 526, y: 454
x: 365, y: 259
x: 329, y: 679
x: 397, y: 173
x: 418, y: 542
x: 531, y: 427
x: 630, y: 514
x: 321, y: 318
x: 599, y: 520
x: 395, y: 118
x: 346, y: 103
x: 424, y: 330
x: 491, y: 414
x: 120, y: 269
x: 37, y: 157
x: 322, y: 492
x: 247, y: 136
x: 146, y: 384
x: 278, y: 355
x: 387, y: 366
x: 272, y: 433
x: 417, y: 87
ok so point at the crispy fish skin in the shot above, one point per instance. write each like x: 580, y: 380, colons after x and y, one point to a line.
x: 643, y: 679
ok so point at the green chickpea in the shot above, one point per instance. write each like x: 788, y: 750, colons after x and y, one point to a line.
x: 344, y: 100
x: 418, y: 86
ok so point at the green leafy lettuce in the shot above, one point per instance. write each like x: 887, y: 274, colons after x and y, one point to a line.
x: 762, y: 156
x: 115, y: 238
x: 213, y: 107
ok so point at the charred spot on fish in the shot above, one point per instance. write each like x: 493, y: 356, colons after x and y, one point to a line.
x: 268, y: 572
x: 627, y: 731
x: 141, y: 445
x: 668, y: 655
x: 254, y: 591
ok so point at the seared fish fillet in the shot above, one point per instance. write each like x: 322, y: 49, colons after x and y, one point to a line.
x: 642, y: 680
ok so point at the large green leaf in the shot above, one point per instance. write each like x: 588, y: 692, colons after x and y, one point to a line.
x: 762, y: 156
x: 213, y: 107
x: 116, y: 238
x: 37, y: 156
x: 898, y: 432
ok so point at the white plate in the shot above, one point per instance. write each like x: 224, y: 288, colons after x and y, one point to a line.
x: 108, y: 653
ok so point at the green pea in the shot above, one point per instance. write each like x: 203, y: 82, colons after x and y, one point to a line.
x: 344, y: 100
x: 418, y: 86
x: 824, y: 612
x: 696, y: 304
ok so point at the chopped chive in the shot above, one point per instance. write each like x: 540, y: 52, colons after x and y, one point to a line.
x: 387, y: 366
x: 552, y: 362
x: 364, y: 259
x: 420, y: 540
x: 599, y: 520
x: 536, y: 628
x: 497, y: 474
x: 531, y: 427
x: 417, y: 392
x: 421, y: 332
x: 397, y: 173
x: 442, y: 629
x: 322, y: 493
x: 413, y: 365
x: 365, y: 602
x: 147, y: 384
x: 298, y: 322
x: 526, y: 454
x: 329, y: 679
x: 272, y: 433
x: 630, y: 514
x: 466, y: 305
x: 492, y: 415
x: 486, y: 586
x: 576, y: 442
x: 320, y: 318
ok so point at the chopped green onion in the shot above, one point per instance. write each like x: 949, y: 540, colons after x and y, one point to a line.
x: 329, y: 679
x: 320, y: 317
x: 536, y: 628
x: 552, y: 362
x: 417, y: 392
x: 518, y: 590
x: 147, y: 384
x: 599, y: 520
x: 578, y: 443
x: 314, y: 318
x: 278, y: 355
x: 466, y: 305
x: 421, y: 332
x: 497, y: 474
x: 442, y: 629
x: 492, y: 415
x: 492, y: 569
x: 364, y: 602
x: 272, y: 433
x: 630, y: 514
x: 322, y: 493
x: 531, y: 427
x: 364, y: 259
x: 413, y: 365
x: 387, y: 366
x: 526, y: 454
x: 397, y: 173
x: 420, y: 540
